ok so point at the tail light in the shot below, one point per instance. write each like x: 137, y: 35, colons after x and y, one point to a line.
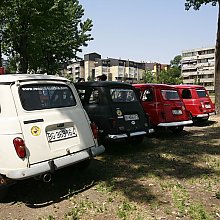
x: 95, y: 130
x: 202, y: 104
x: 113, y: 122
x: 200, y: 108
x: 19, y: 147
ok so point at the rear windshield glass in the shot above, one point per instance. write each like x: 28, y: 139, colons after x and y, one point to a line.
x: 37, y: 97
x: 170, y: 95
x: 123, y: 95
x: 201, y: 93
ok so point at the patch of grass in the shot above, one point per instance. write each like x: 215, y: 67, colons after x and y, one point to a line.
x: 105, y: 187
x: 125, y: 210
x: 198, y: 212
x: 180, y: 198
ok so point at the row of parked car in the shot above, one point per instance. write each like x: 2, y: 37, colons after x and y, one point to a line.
x: 47, y: 123
x: 122, y: 110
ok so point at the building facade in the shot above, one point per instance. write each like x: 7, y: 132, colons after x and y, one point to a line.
x: 198, y: 67
x: 115, y: 69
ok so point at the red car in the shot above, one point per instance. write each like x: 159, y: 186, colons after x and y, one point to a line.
x: 164, y: 106
x: 197, y: 101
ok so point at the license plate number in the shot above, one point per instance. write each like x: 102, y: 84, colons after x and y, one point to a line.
x: 131, y: 117
x: 208, y: 106
x: 177, y: 112
x: 60, y: 134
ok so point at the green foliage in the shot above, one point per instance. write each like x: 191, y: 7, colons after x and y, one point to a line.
x: 176, y: 62
x: 170, y: 76
x: 148, y: 77
x: 196, y: 4
x: 43, y: 34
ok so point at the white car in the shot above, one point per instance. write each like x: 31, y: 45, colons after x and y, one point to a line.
x: 43, y: 127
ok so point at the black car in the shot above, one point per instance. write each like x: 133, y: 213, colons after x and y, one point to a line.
x: 116, y: 109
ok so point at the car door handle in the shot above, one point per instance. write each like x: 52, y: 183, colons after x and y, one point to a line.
x: 34, y: 121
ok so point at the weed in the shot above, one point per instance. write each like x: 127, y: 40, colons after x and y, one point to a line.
x: 180, y: 198
x: 125, y: 209
x: 197, y: 211
x: 104, y: 187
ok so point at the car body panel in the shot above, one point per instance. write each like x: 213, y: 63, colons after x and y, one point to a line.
x: 50, y: 133
x: 163, y: 105
x: 197, y: 101
x: 116, y: 109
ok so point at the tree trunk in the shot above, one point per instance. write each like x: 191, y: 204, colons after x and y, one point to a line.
x: 23, y: 55
x: 217, y: 65
x: 0, y: 53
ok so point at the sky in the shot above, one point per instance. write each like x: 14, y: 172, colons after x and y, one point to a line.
x: 148, y: 30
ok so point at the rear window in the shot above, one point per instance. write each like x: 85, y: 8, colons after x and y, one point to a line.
x: 170, y: 95
x: 46, y: 96
x: 186, y: 94
x: 201, y: 93
x: 123, y: 95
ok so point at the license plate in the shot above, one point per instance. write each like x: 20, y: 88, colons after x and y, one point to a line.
x: 60, y: 134
x: 131, y: 117
x: 177, y: 112
x: 208, y: 106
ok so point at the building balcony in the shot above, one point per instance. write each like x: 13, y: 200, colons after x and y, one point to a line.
x: 207, y: 64
x: 205, y: 56
x: 207, y: 80
x: 188, y: 81
x: 194, y: 73
x: 210, y: 88
x: 187, y: 67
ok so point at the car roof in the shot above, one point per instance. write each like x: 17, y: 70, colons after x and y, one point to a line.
x: 102, y: 84
x: 163, y: 86
x: 10, y: 78
x: 189, y: 86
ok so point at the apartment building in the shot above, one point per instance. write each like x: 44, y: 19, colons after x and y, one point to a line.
x: 198, y: 67
x: 115, y: 69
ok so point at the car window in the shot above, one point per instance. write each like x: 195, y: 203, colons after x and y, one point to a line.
x: 148, y: 95
x: 186, y: 94
x: 170, y: 95
x: 201, y: 93
x: 123, y: 95
x: 94, y: 97
x: 37, y: 97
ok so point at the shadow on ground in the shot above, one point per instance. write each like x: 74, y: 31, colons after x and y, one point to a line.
x: 124, y: 167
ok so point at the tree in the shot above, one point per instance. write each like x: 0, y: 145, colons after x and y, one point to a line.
x: 176, y: 62
x: 148, y: 77
x: 44, y: 34
x: 196, y: 4
x: 170, y: 76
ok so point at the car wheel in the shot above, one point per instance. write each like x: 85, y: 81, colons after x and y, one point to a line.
x: 3, y: 192
x: 177, y: 129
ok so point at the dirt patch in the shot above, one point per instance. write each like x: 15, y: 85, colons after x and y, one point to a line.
x: 167, y: 177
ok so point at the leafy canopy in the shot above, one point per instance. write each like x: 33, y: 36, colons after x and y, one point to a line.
x: 42, y: 35
x: 197, y: 3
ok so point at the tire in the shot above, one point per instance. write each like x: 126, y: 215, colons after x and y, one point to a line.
x: 177, y: 129
x: 3, y: 192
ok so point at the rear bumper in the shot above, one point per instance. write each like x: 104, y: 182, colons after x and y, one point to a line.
x: 205, y: 115
x: 173, y: 124
x: 121, y: 136
x: 55, y: 164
